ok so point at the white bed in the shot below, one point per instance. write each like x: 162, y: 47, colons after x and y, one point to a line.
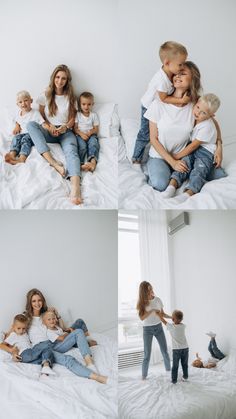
x: 209, y: 394
x: 135, y: 193
x: 36, y: 185
x: 66, y: 396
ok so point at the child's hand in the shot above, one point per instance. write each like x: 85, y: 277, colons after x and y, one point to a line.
x: 53, y: 131
x: 16, y: 131
x: 218, y: 157
x: 84, y: 135
x: 69, y: 330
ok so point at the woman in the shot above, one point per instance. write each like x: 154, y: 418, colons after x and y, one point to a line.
x: 58, y: 107
x: 170, y: 127
x: 147, y: 306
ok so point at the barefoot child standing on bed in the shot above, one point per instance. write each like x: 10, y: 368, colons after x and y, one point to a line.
x: 86, y: 130
x: 216, y: 354
x: 19, y: 345
x: 21, y: 144
x: 179, y: 344
x: 173, y: 56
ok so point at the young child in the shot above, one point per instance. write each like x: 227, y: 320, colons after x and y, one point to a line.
x: 199, y: 154
x: 18, y: 344
x: 179, y: 344
x: 86, y: 130
x: 172, y: 55
x: 216, y: 354
x: 21, y: 142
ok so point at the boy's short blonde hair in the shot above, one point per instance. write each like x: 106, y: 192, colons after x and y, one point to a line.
x: 170, y: 49
x: 20, y: 318
x: 23, y: 93
x: 178, y: 315
x: 212, y: 101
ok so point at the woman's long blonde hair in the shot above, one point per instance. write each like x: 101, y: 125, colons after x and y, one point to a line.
x: 143, y: 300
x: 67, y: 90
x: 195, y: 87
x: 28, y: 308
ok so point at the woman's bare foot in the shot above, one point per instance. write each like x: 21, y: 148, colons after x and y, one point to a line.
x: 75, y: 195
x: 57, y: 165
x: 21, y: 158
x: 100, y: 378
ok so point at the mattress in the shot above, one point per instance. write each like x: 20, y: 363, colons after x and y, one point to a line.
x: 24, y: 396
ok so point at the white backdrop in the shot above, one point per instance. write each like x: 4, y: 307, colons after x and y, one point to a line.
x: 36, y: 36
x: 70, y: 257
x: 206, y: 27
x: 203, y: 271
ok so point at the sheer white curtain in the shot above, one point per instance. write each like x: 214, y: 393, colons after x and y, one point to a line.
x: 154, y: 253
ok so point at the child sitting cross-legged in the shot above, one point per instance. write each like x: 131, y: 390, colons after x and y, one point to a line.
x: 19, y: 345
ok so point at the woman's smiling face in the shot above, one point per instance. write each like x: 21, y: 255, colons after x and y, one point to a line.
x: 183, y: 79
x: 36, y: 303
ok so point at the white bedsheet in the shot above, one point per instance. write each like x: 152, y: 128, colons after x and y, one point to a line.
x: 208, y: 395
x: 66, y: 396
x: 36, y: 185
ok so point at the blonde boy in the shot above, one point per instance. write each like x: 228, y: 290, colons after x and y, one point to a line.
x: 21, y: 142
x: 199, y: 154
x: 173, y: 56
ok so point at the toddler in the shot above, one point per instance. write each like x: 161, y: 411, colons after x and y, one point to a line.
x: 173, y: 56
x: 21, y: 142
x: 86, y: 130
x: 20, y: 347
x: 179, y: 344
x: 216, y: 354
x: 199, y: 154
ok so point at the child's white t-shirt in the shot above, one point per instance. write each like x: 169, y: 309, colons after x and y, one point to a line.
x: 205, y: 131
x: 159, y: 83
x: 210, y: 360
x: 153, y: 318
x: 22, y: 120
x: 21, y: 341
x: 53, y: 334
x: 177, y: 332
x: 174, y: 125
x: 62, y: 115
x: 86, y: 123
x: 37, y: 331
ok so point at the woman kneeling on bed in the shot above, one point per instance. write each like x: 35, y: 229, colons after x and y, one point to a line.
x: 216, y: 354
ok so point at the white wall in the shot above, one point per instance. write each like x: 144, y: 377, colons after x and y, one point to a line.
x: 203, y: 271
x: 36, y: 36
x: 206, y: 27
x: 70, y: 257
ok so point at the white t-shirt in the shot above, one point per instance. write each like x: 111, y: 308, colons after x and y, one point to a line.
x: 205, y: 131
x: 37, y: 331
x: 86, y: 123
x: 22, y: 120
x: 210, y: 360
x: 21, y: 341
x: 177, y: 332
x: 174, y: 125
x: 62, y: 115
x: 153, y: 318
x: 53, y: 334
x: 159, y: 83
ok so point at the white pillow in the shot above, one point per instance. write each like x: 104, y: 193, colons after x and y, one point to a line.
x: 129, y: 130
x: 109, y: 121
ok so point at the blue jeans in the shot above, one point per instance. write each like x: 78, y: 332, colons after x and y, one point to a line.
x: 80, y: 324
x: 67, y: 141
x: 75, y: 338
x: 179, y: 355
x: 90, y: 147
x: 39, y: 354
x: 148, y: 333
x: 22, y: 144
x: 214, y: 350
x: 199, y: 163
x: 142, y: 138
x: 72, y: 364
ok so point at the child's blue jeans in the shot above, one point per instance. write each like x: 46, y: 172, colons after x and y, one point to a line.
x: 75, y: 338
x: 214, y: 350
x: 39, y: 354
x: 142, y: 138
x: 179, y: 355
x: 90, y: 147
x: 22, y: 144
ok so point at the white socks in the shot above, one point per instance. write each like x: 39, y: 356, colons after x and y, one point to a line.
x: 47, y: 371
x: 169, y: 192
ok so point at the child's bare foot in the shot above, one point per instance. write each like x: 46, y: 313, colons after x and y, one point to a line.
x: 21, y: 158
x: 92, y: 342
x: 90, y: 166
x: 75, y: 195
x: 100, y: 378
x: 11, y: 158
x: 85, y: 167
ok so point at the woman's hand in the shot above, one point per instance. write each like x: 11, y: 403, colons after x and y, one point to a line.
x: 180, y: 166
x: 218, y: 156
x: 62, y: 129
x: 53, y: 130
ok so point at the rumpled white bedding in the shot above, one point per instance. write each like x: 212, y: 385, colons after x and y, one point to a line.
x: 209, y: 394
x: 66, y: 396
x: 36, y: 185
x: 136, y: 193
